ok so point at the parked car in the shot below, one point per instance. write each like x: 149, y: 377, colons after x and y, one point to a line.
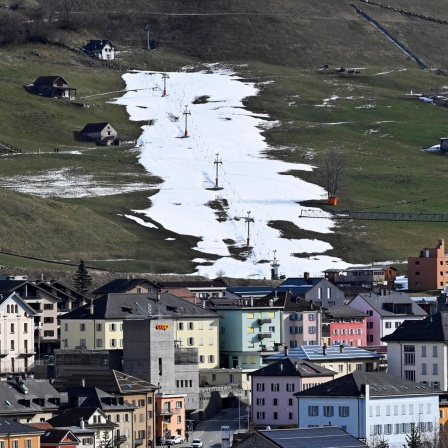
x: 174, y: 440
x: 196, y: 443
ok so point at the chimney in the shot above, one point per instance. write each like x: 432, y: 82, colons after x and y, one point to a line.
x: 341, y: 348
x: 158, y: 296
x: 281, y: 367
x: 311, y: 305
x: 324, y: 349
x: 83, y: 382
x: 251, y: 301
x: 296, y: 365
x: 81, y: 423
x: 306, y: 276
x: 271, y: 302
x: 286, y: 350
x: 91, y: 307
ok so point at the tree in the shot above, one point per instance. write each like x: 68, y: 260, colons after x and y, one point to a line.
x: 333, y: 163
x: 414, y: 438
x: 82, y: 278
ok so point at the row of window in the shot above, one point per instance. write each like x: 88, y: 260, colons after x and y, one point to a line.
x: 328, y: 411
x: 299, y: 316
x: 16, y: 443
x: 294, y: 344
x: 191, y: 325
x: 210, y: 358
x: 275, y: 387
x: 402, y: 409
x: 275, y: 402
x: 399, y: 428
x: 348, y: 331
x: 252, y: 330
x: 299, y: 330
x: 389, y: 324
x: 271, y: 314
x: 262, y: 415
x: 13, y: 327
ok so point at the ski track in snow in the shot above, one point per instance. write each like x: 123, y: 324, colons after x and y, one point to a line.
x: 251, y: 181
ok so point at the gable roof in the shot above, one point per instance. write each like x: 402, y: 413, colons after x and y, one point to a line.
x: 48, y: 80
x: 287, y: 367
x: 16, y: 298
x: 432, y: 328
x: 381, y: 303
x: 97, y: 44
x: 334, y: 352
x: 111, y: 381
x: 381, y: 384
x: 373, y: 267
x: 139, y: 306
x: 94, y: 127
x: 12, y: 427
x: 343, y: 311
x: 92, y: 397
x: 58, y: 436
x: 122, y: 285
x: 73, y: 416
x: 319, y: 437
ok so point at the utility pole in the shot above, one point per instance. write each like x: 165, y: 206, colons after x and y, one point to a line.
x: 248, y: 220
x: 275, y: 265
x: 217, y: 162
x: 148, y: 30
x: 186, y: 113
x: 164, y: 77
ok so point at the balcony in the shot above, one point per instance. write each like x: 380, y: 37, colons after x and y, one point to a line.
x: 27, y: 352
x: 3, y: 352
x: 138, y: 442
x: 118, y: 440
x: 264, y: 321
x: 264, y: 335
x: 168, y: 411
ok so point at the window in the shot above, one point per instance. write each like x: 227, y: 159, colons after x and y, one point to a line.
x: 12, y: 328
x: 113, y: 342
x: 12, y: 344
x: 87, y: 441
x: 312, y: 330
x: 423, y: 351
x: 260, y: 415
x: 190, y: 341
x: 388, y: 324
x: 201, y: 325
x: 388, y: 409
x: 48, y: 306
x: 369, y: 324
x: 260, y: 387
x: 210, y: 340
x: 201, y: 341
x: 409, y: 355
x: 403, y: 409
x: 202, y: 359
x: 211, y: 358
x: 344, y: 411
x: 179, y: 419
x: 99, y: 327
x: 113, y: 327
x: 180, y: 325
x: 275, y: 387
x: 369, y: 312
x: 290, y: 387
x: 328, y: 411
x: 435, y: 369
x: 260, y: 401
x: 313, y: 411
x: 435, y: 384
x: 48, y: 320
x: 370, y: 338
x: 335, y: 331
x: 190, y: 325
x: 409, y: 375
x: 250, y: 315
x: 15, y: 444
x: 48, y: 333
x: 424, y: 369
x: 340, y: 367
x: 396, y: 409
x: 275, y: 415
x: 290, y: 415
x: 434, y: 351
x: 359, y: 331
x: 82, y: 327
x: 250, y: 329
x: 178, y: 404
x: 25, y: 328
x: 311, y: 316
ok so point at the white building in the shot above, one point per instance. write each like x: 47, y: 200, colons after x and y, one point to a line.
x: 371, y: 406
x: 16, y: 334
x: 418, y: 351
x: 385, y: 313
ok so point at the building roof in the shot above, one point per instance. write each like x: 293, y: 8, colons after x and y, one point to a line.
x: 373, y: 267
x: 432, y: 328
x: 96, y: 44
x: 58, y: 436
x: 73, y: 416
x: 12, y: 427
x: 381, y: 384
x: 45, y: 80
x: 217, y: 283
x: 94, y: 127
x: 320, y: 437
x: 27, y: 396
x: 344, y: 311
x: 92, y: 397
x: 383, y: 304
x: 111, y: 381
x: 334, y: 352
x: 139, y: 306
x: 248, y: 291
x: 121, y: 285
x: 286, y: 367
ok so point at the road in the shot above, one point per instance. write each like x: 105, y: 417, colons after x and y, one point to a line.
x: 210, y: 431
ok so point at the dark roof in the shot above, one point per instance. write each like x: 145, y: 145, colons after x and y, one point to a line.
x: 132, y: 306
x: 244, y: 291
x: 96, y: 44
x: 320, y: 437
x: 58, y: 436
x: 72, y: 417
x: 10, y: 285
x: 374, y: 267
x: 383, y: 303
x: 120, y: 285
x: 432, y: 328
x: 12, y: 427
x: 381, y: 384
x: 194, y: 284
x: 287, y: 367
x: 14, y: 396
x: 111, y: 381
x: 44, y: 80
x: 92, y: 397
x: 344, y: 311
x: 94, y: 127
